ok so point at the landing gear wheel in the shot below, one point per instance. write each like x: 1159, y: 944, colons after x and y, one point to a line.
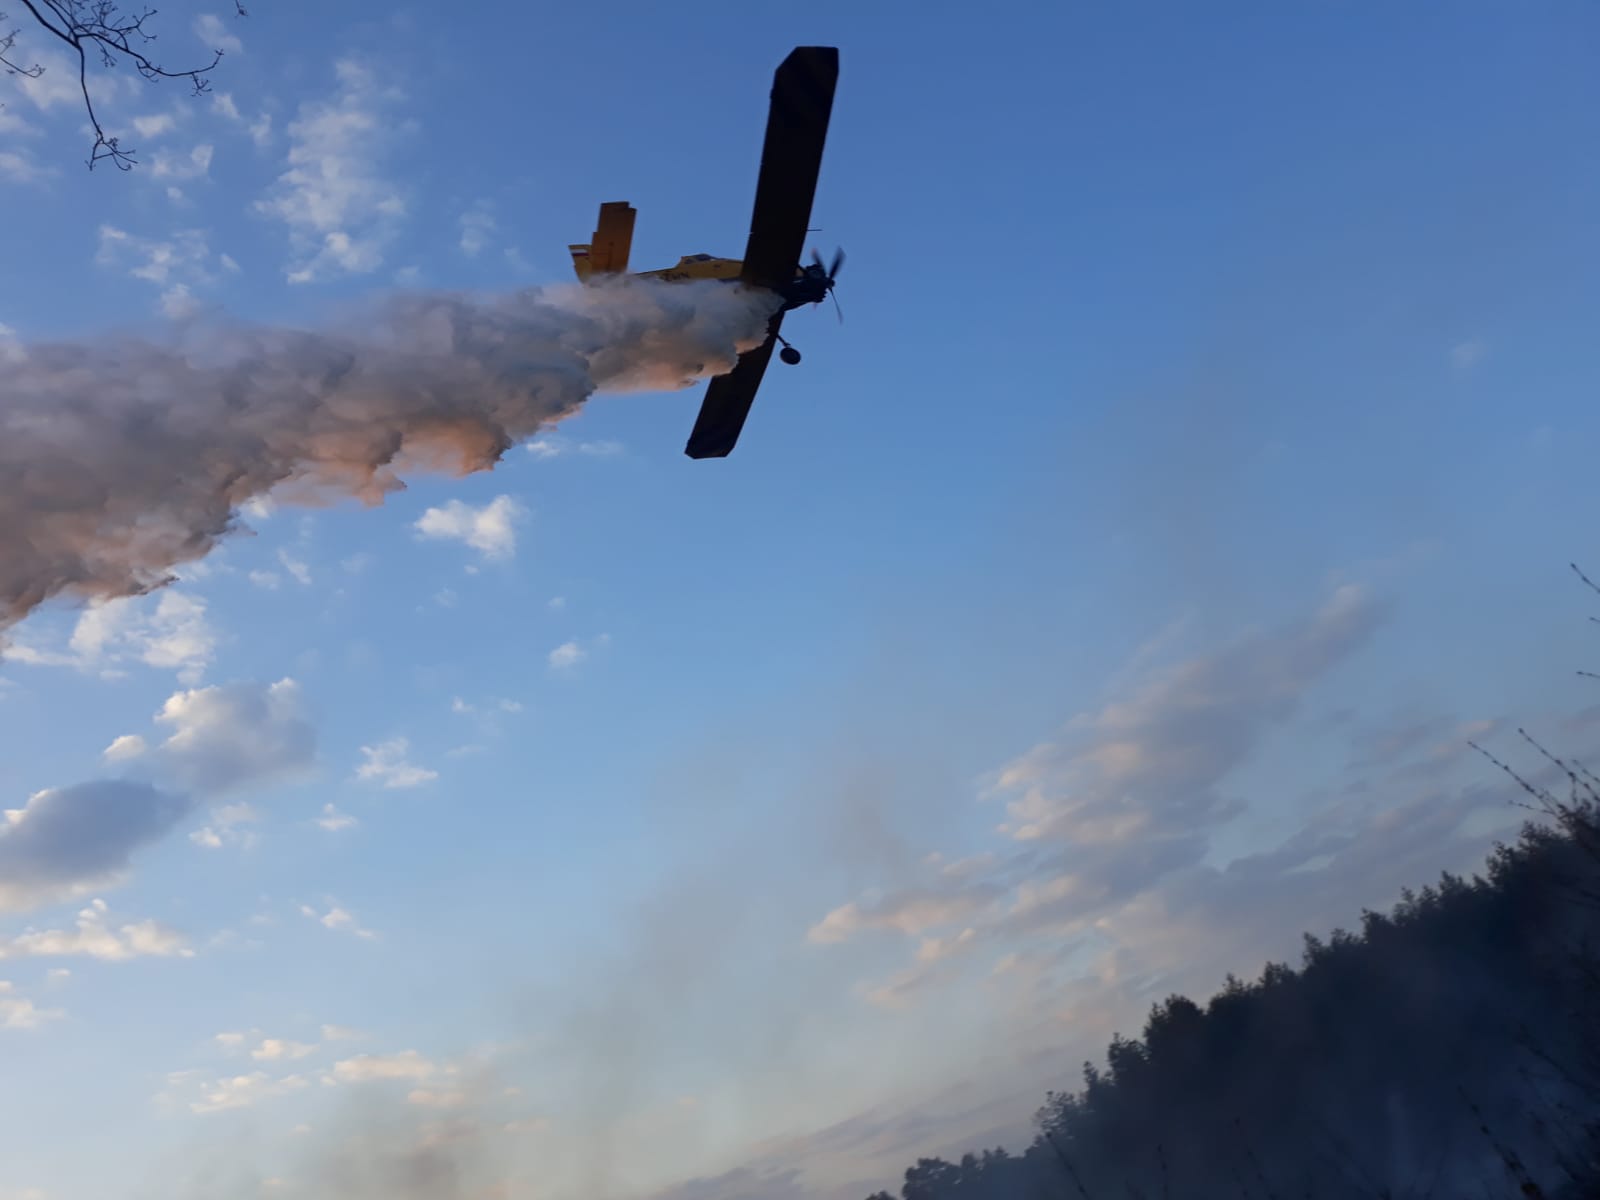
x: 789, y: 355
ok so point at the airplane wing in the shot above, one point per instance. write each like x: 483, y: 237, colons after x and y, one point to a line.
x: 728, y: 399
x: 791, y: 159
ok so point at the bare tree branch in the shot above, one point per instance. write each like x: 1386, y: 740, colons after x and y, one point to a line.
x: 100, y: 27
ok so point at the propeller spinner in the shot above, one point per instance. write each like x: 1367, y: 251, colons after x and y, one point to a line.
x: 830, y: 273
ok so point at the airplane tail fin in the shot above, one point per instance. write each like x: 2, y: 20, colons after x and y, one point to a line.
x: 608, y: 253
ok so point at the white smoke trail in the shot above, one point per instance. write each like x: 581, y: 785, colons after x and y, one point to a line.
x: 122, y: 459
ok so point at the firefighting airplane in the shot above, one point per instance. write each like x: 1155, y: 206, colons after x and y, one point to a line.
x: 791, y: 159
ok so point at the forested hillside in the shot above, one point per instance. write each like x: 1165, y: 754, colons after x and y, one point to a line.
x: 1449, y: 1048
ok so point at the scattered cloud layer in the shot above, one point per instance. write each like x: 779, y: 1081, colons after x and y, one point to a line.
x: 239, y: 1091
x: 1119, y: 810
x: 19, y: 1012
x: 67, y: 841
x: 388, y: 764
x: 340, y: 208
x: 53, y: 91
x: 94, y: 936
x: 183, y: 263
x: 428, y: 1084
x: 169, y: 632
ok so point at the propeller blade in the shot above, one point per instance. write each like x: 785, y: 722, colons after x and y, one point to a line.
x: 836, y: 307
x: 838, y: 261
x: 816, y: 257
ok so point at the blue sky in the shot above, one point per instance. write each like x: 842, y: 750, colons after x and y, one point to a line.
x: 1109, y: 599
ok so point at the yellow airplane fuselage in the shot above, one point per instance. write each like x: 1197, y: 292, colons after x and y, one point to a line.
x: 607, y: 253
x: 697, y: 266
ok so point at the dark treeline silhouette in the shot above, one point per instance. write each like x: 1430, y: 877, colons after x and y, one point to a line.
x: 1450, y: 1048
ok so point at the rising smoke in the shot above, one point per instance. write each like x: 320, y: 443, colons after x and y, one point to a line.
x: 122, y: 459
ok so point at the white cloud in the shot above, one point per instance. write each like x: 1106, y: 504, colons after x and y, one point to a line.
x: 209, y: 28
x: 157, y: 262
x: 333, y: 820
x: 300, y: 570
x: 934, y: 950
x: 18, y: 1012
x: 386, y: 763
x: 94, y: 937
x: 556, y: 603
x: 490, y: 530
x: 273, y: 1049
x: 178, y: 266
x: 235, y: 735
x: 340, y: 1033
x: 369, y: 1068
x: 128, y: 746
x: 155, y: 124
x: 224, y: 829
x: 260, y: 130
x: 178, y: 302
x: 16, y: 167
x: 1150, y: 763
x: 340, y: 210
x: 55, y: 86
x: 908, y: 912
x: 242, y: 1091
x: 551, y: 446
x: 11, y: 122
x: 337, y: 918
x: 570, y: 653
x: 194, y: 165
x: 169, y: 631
x: 566, y: 656
x: 477, y: 223
x: 267, y: 580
